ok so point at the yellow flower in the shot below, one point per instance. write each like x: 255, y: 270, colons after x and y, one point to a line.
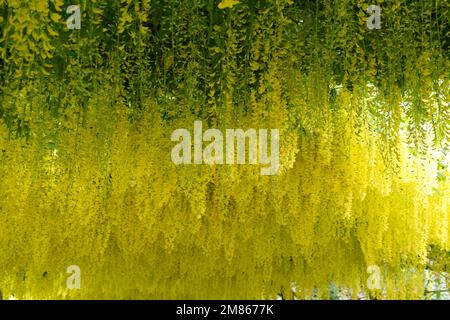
x: 55, y: 17
x: 227, y: 4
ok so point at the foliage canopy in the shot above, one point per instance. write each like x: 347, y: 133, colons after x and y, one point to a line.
x: 85, y: 170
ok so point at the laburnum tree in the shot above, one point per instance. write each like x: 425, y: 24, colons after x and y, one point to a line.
x: 86, y: 176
